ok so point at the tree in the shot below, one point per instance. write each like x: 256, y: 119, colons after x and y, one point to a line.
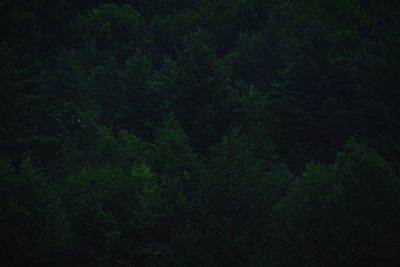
x: 118, y: 28
x: 344, y: 214
x: 207, y: 102
x: 237, y: 192
x: 35, y: 229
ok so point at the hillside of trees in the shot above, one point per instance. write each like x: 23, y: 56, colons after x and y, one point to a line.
x: 192, y: 133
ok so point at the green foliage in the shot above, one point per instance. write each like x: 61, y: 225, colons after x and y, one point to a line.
x: 237, y: 192
x: 344, y: 214
x: 168, y: 31
x: 177, y: 168
x: 207, y: 103
x: 258, y: 57
x: 111, y: 197
x: 123, y: 150
x: 34, y: 227
x: 128, y: 195
x: 172, y: 155
x: 163, y: 132
x: 26, y: 122
x: 112, y: 27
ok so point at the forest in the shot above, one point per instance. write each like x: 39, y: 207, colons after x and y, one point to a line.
x: 209, y: 133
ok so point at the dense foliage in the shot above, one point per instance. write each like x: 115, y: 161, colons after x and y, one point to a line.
x: 200, y: 133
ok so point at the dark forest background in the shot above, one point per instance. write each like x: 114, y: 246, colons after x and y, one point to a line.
x: 200, y: 133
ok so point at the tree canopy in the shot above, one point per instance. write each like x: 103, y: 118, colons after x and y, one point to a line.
x: 199, y: 133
